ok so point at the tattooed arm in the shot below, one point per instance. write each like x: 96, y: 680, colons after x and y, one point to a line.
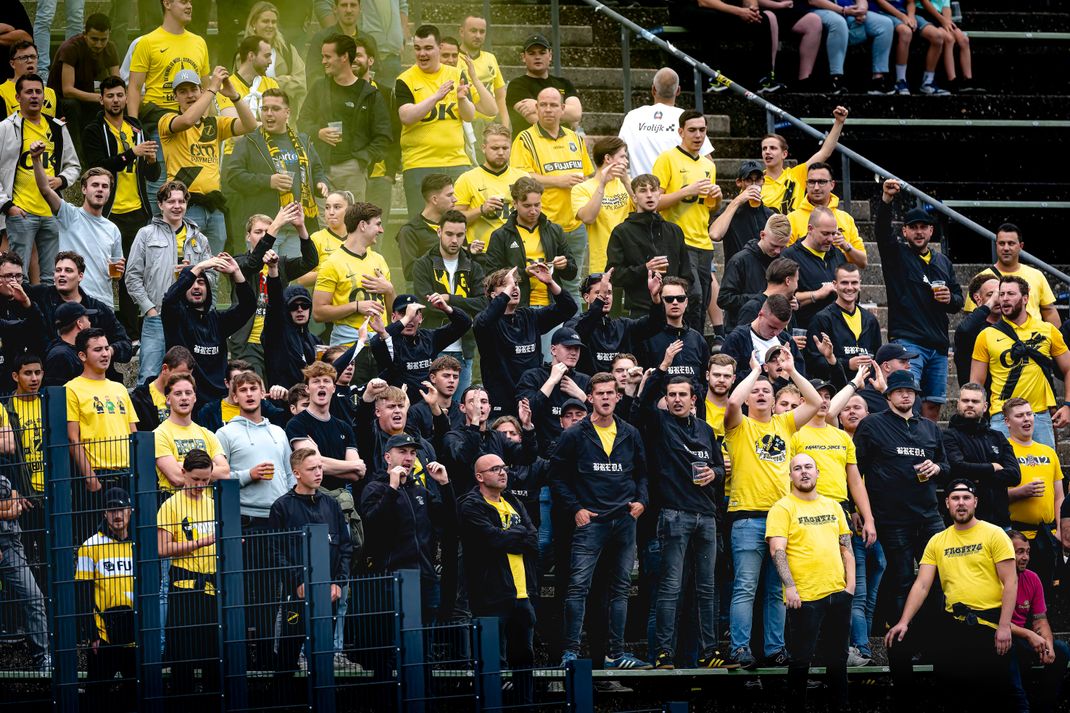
x: 778, y: 548
x: 847, y: 554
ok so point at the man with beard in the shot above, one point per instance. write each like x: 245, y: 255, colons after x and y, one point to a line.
x: 483, y: 192
x: 855, y: 332
x: 1009, y: 246
x: 177, y: 435
x: 250, y: 78
x: 817, y: 265
x: 810, y: 542
x: 190, y: 320
x: 1022, y: 354
x: 605, y: 337
x: 720, y: 376
x: 982, y: 454
x: 440, y: 395
x: 549, y: 386
x: 976, y: 565
x: 819, y: 186
x: 405, y: 351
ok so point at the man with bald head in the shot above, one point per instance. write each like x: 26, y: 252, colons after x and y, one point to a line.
x: 501, y: 546
x: 650, y: 130
x: 817, y: 265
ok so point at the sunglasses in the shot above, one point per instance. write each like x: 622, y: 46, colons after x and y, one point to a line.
x: 299, y: 305
x: 674, y: 298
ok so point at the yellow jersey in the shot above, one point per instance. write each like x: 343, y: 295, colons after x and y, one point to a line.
x: 784, y: 193
x: 188, y: 519
x: 760, y: 463
x: 192, y: 156
x: 31, y: 436
x: 511, y: 517
x: 832, y: 451
x: 161, y: 55
x: 104, y: 413
x: 1038, y: 462
x: 715, y: 418
x: 490, y: 74
x: 437, y: 140
x: 616, y: 205
x: 25, y: 193
x: 175, y: 440
x: 1019, y: 377
x: 538, y: 153
x: 227, y: 411
x: 342, y: 276
x: 539, y: 295
x: 11, y: 102
x: 473, y: 189
x: 326, y: 243
x: 966, y: 561
x: 127, y: 198
x: 109, y: 564
x: 676, y: 169
x: 799, y: 219
x: 1040, y: 294
x: 813, y: 529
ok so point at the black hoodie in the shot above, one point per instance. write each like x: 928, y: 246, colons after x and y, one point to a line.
x: 487, y: 544
x: 410, y: 363
x: 546, y: 410
x: 972, y: 447
x: 101, y: 149
x: 743, y: 280
x: 204, y: 331
x: 636, y: 241
x: 48, y: 299
x: 288, y: 347
x: 292, y: 512
x: 401, y: 525
x: 605, y: 337
x: 22, y: 331
x: 845, y: 345
x: 464, y: 444
x: 586, y: 478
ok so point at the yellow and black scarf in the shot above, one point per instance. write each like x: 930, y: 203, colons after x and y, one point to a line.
x: 308, y: 201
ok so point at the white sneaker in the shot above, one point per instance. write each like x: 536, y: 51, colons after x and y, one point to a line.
x: 856, y: 658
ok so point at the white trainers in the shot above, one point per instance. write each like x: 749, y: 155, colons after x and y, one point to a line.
x: 856, y: 658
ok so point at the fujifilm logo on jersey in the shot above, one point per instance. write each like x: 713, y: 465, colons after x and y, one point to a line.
x: 524, y: 349
x: 908, y: 451
x: 607, y: 467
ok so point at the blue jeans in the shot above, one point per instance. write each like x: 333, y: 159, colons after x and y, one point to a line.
x: 1043, y: 431
x: 153, y: 348
x: 869, y: 567
x: 212, y: 223
x: 577, y: 245
x: 340, y: 620
x: 1051, y: 678
x: 750, y: 552
x: 23, y: 232
x: 22, y: 591
x: 677, y: 531
x: 42, y: 29
x: 466, y: 374
x: 930, y: 371
x: 615, y: 539
x: 844, y: 31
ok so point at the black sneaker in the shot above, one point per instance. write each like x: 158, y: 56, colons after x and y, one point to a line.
x: 878, y: 86
x: 663, y: 661
x: 966, y: 86
x: 777, y: 660
x: 769, y: 85
x: 836, y: 87
x: 715, y: 659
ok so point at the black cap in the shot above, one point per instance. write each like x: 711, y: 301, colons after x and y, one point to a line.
x: 403, y: 301
x: 116, y: 498
x: 818, y: 384
x: 402, y: 440
x: 68, y: 312
x: 566, y: 337
x: 888, y: 352
x: 299, y: 293
x: 918, y: 215
x: 961, y: 484
x: 574, y: 403
x: 901, y: 379
x: 749, y: 166
x: 536, y: 40
x: 590, y: 281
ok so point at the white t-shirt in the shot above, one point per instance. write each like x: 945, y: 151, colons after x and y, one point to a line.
x: 649, y: 131
x: 763, y: 345
x: 451, y: 271
x: 97, y: 240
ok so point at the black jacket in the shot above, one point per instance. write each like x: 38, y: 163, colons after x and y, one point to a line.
x: 509, y: 344
x: 913, y: 314
x: 844, y: 345
x: 487, y: 544
x: 586, y: 478
x: 972, y: 447
x: 148, y: 416
x: 288, y: 347
x: 411, y: 361
x: 400, y: 525
x: 813, y: 272
x: 966, y: 334
x: 464, y: 444
x: 292, y: 512
x: 421, y: 422
x: 100, y: 148
x: 526, y: 483
x: 636, y: 241
x: 415, y: 239
x: 743, y: 280
x: 371, y: 441
x: 690, y: 362
x: 605, y: 337
x: 47, y: 299
x: 22, y: 331
x: 366, y: 130
x: 746, y: 225
x: 61, y: 364
x: 505, y: 249
x: 888, y: 446
x: 429, y: 275
x: 546, y: 410
x: 204, y: 332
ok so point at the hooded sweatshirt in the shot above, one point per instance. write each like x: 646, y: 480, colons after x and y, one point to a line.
x: 246, y: 444
x: 288, y: 347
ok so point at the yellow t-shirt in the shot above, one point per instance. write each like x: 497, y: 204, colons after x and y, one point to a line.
x: 127, y: 198
x: 510, y: 517
x: 785, y: 193
x: 1022, y: 378
x: 536, y: 152
x: 180, y: 241
x: 228, y: 411
x: 104, y: 412
x: 490, y: 74
x: 31, y: 432
x: 25, y: 194
x: 161, y: 55
x: 832, y: 451
x: 159, y: 401
x: 1037, y: 462
x: 606, y: 434
x: 192, y: 156
x: 760, y: 463
x: 257, y: 327
x: 326, y: 243
x: 473, y: 189
x: 799, y: 224
x: 616, y: 205
x: 966, y: 561
x: 437, y: 140
x: 109, y: 565
x: 676, y: 169
x: 175, y: 440
x: 342, y: 277
x: 715, y: 418
x: 813, y: 529
x: 189, y: 519
x: 11, y: 102
x: 540, y: 295
x: 1040, y: 294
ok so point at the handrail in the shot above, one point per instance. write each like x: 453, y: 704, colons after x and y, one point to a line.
x: 775, y: 114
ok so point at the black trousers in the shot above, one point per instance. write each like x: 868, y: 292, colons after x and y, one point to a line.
x: 192, y: 643
x: 101, y: 667
x: 823, y: 628
x: 516, y: 634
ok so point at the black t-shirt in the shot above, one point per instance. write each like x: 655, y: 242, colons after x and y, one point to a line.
x: 526, y: 87
x: 333, y: 437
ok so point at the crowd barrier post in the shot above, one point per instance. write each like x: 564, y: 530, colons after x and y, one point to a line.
x: 147, y: 574
x: 488, y: 666
x: 579, y: 686
x: 320, y: 642
x: 410, y: 630
x: 232, y: 634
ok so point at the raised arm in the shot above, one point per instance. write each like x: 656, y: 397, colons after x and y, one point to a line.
x: 733, y: 413
x: 828, y: 146
x: 37, y: 148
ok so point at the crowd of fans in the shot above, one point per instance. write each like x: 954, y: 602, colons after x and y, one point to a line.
x: 756, y: 432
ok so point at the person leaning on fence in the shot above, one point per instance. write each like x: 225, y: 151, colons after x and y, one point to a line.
x: 186, y: 533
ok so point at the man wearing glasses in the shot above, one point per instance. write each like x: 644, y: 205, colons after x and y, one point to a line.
x: 819, y: 185
x: 23, y: 57
x: 24, y: 326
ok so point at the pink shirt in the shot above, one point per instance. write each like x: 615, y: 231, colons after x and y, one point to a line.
x: 1030, y: 598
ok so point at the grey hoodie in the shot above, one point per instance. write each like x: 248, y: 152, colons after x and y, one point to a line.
x: 246, y: 444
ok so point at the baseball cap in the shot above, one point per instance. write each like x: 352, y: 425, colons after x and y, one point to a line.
x: 186, y: 76
x: 536, y: 40
x: 887, y: 352
x: 749, y: 166
x: 402, y: 440
x: 116, y: 498
x: 918, y: 215
x: 403, y: 301
x: 567, y: 337
x: 590, y: 281
x: 298, y: 294
x: 901, y: 379
x: 818, y: 384
x: 66, y: 314
x: 574, y: 403
x: 961, y: 484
